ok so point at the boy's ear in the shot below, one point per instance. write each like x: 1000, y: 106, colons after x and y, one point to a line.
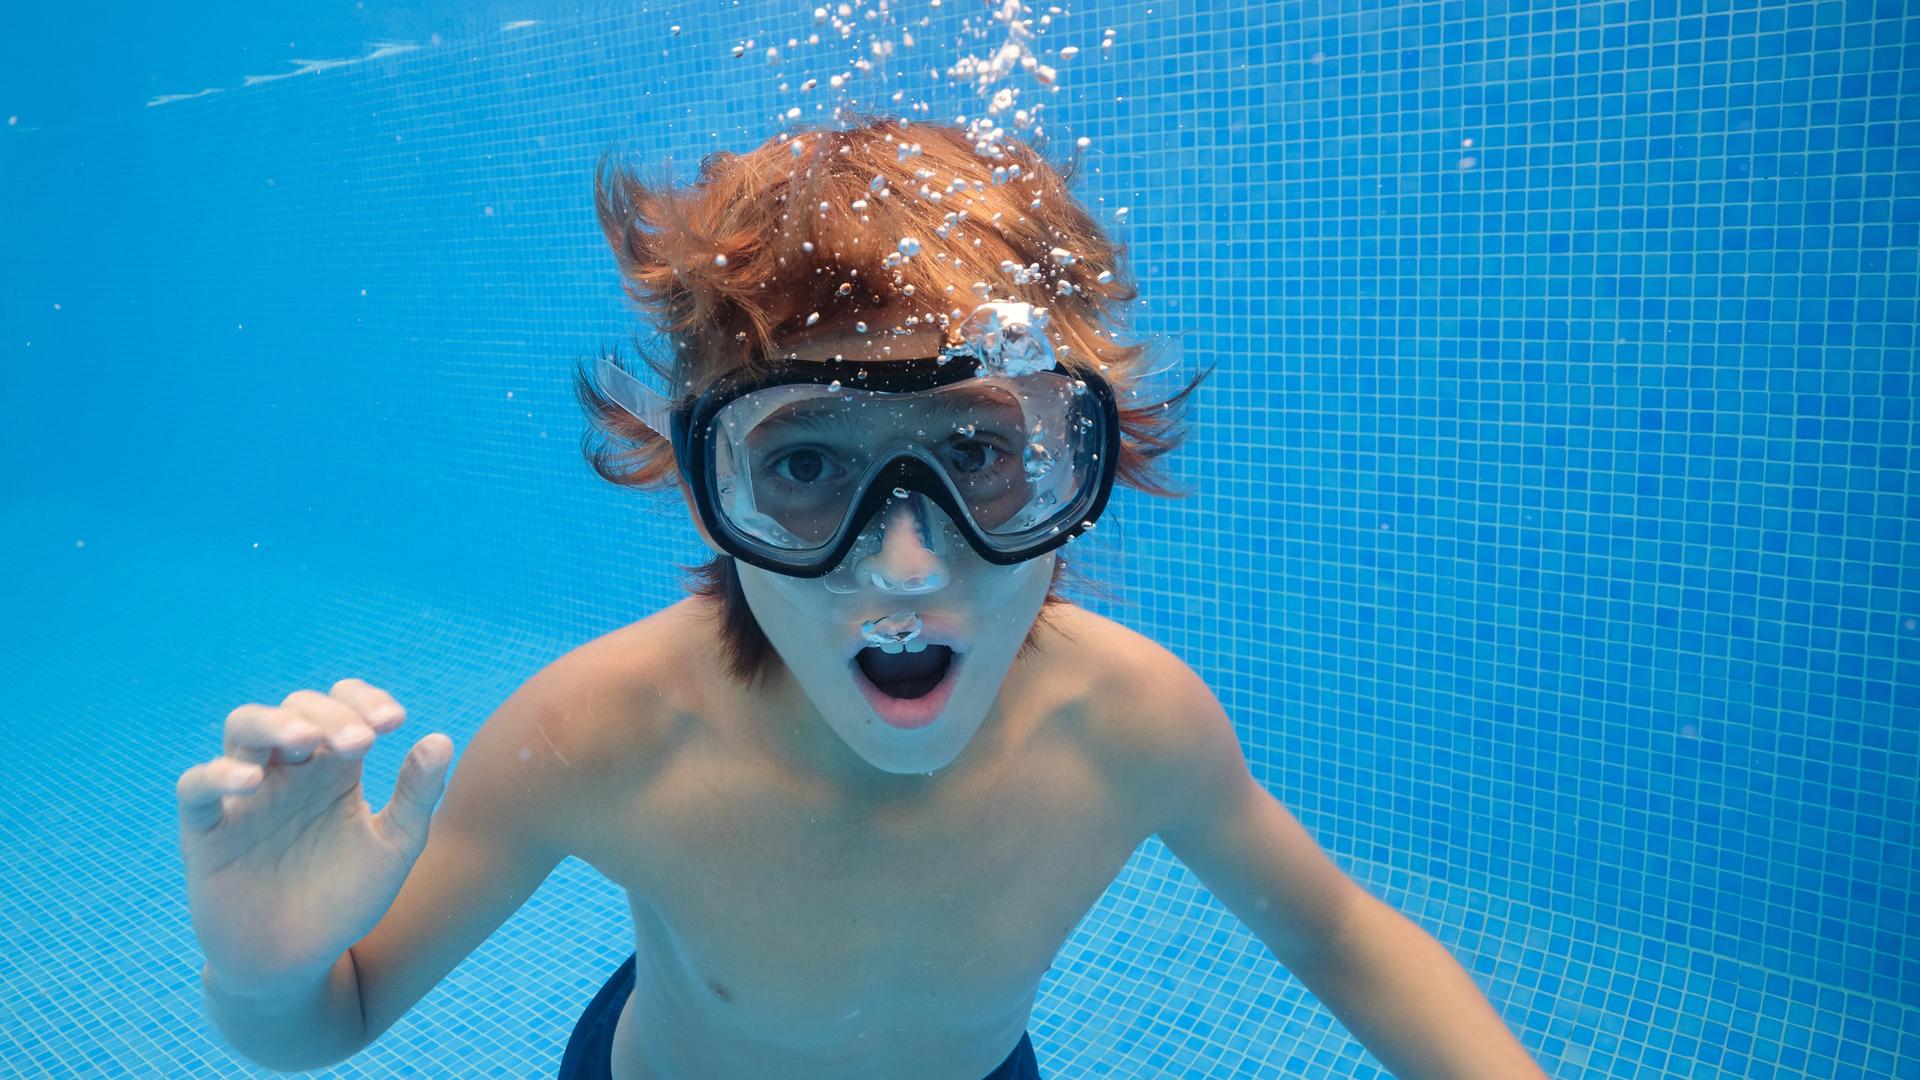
x: 686, y: 494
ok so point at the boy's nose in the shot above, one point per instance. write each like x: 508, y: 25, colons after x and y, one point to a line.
x: 906, y: 561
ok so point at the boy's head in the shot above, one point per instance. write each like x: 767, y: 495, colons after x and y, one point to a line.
x: 872, y: 248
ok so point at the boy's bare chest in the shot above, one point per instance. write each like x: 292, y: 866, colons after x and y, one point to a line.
x: 778, y: 919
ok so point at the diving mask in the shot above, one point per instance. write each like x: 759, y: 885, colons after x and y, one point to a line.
x: 789, y: 470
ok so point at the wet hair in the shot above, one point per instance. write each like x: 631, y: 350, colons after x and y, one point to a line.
x: 811, y: 222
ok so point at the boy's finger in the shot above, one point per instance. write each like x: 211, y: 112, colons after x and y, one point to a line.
x: 422, y: 780
x: 254, y: 732
x: 202, y: 788
x: 347, y: 732
x: 377, y: 707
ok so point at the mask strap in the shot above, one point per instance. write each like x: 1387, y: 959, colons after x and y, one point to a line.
x: 634, y: 396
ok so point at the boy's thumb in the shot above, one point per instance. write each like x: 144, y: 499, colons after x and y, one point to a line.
x: 423, y: 778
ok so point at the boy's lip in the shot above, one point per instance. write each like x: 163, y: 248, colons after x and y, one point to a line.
x: 934, y: 630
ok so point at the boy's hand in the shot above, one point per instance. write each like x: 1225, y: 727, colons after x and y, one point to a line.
x: 287, y: 866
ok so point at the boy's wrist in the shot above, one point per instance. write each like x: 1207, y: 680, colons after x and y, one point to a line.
x: 292, y: 1026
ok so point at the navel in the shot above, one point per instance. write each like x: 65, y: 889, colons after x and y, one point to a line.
x: 719, y: 991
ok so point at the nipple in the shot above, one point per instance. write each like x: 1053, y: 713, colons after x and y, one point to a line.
x: 894, y: 630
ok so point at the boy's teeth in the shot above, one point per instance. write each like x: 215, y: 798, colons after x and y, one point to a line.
x: 892, y: 647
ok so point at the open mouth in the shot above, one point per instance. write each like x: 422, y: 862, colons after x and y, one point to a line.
x: 905, y: 675
x: 907, y: 690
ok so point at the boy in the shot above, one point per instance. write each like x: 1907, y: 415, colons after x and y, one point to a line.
x: 862, y: 785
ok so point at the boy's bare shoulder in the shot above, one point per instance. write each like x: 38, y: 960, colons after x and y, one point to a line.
x: 1118, y: 652
x: 1136, y: 686
x: 629, y: 693
x: 1126, y: 673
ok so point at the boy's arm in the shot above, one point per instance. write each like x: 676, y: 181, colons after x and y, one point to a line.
x: 498, y: 833
x: 1388, y: 981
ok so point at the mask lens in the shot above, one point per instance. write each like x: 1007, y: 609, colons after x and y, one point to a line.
x: 974, y: 432
x: 789, y: 465
x: 1053, y: 463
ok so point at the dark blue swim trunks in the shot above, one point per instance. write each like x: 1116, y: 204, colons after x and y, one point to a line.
x: 590, y: 1051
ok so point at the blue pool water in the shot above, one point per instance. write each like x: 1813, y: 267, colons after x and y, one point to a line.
x: 1554, y: 544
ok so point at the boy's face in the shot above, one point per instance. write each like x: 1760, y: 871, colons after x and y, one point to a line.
x: 979, y: 610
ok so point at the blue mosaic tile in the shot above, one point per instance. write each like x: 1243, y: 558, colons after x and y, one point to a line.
x: 1552, y: 540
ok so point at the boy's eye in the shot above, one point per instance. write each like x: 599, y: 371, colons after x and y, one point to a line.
x: 973, y: 455
x: 805, y: 465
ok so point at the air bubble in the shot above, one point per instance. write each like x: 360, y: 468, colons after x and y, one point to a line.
x: 895, y: 629
x: 1037, y: 459
x: 1008, y: 337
